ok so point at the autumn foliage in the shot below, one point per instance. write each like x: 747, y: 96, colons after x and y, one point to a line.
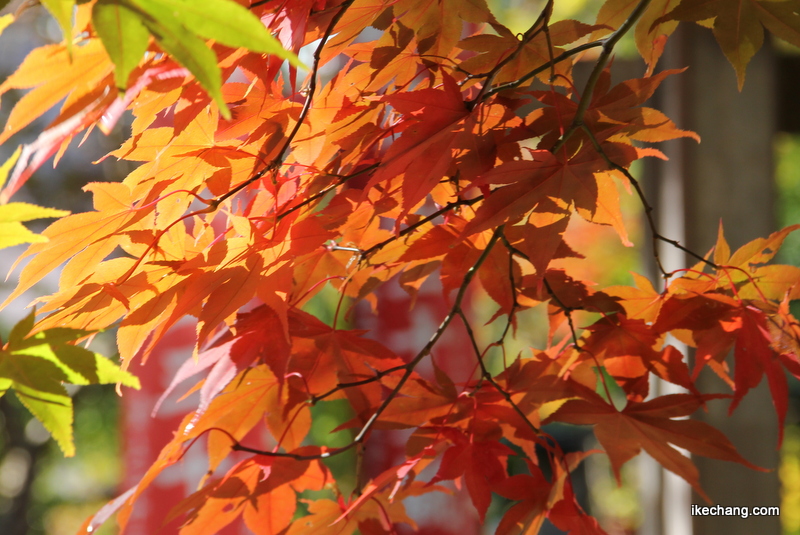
x: 423, y: 140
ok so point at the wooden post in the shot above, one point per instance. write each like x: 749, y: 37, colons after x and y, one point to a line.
x: 729, y: 177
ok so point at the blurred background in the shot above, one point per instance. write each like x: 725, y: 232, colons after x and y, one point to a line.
x: 749, y: 163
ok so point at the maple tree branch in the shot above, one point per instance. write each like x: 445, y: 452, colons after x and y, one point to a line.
x: 514, y: 303
x: 488, y: 376
x: 312, y: 84
x: 213, y: 269
x: 324, y: 191
x: 566, y: 309
x: 409, y: 368
x: 153, y: 246
x: 425, y: 351
x: 608, y: 47
x: 312, y: 88
x: 550, y: 47
x: 541, y: 68
x: 213, y: 204
x: 446, y: 208
x: 379, y: 374
x: 648, y: 210
x: 533, y: 31
x: 567, y: 312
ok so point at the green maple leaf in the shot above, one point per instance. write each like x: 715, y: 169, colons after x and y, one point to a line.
x: 36, y: 366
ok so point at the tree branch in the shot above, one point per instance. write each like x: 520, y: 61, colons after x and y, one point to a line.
x: 312, y: 88
x: 541, y: 68
x: 488, y: 376
x: 648, y: 210
x: 409, y: 368
x: 567, y: 310
x: 608, y: 47
x: 446, y: 208
x: 533, y: 31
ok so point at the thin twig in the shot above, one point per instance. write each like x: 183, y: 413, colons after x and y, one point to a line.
x: 312, y: 85
x: 567, y: 312
x: 379, y: 374
x: 446, y: 208
x: 324, y: 191
x: 566, y: 309
x: 594, y: 77
x: 488, y: 376
x: 409, y: 368
x: 541, y: 68
x: 527, y: 37
x: 514, y: 303
x: 273, y: 166
x: 312, y: 89
x: 648, y: 210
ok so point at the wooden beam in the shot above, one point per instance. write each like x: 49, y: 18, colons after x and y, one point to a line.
x: 729, y: 177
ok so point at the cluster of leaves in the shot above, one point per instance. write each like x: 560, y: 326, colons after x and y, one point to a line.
x: 441, y: 146
x: 35, y: 365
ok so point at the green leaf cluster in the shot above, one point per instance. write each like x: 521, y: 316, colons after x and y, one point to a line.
x: 180, y: 27
x: 37, y: 365
x: 12, y: 231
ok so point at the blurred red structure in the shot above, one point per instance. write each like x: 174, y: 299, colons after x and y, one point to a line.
x: 405, y: 332
x: 145, y: 434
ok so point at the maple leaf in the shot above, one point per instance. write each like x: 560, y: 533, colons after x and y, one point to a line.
x: 492, y: 49
x: 328, y: 517
x: 85, y: 86
x: 12, y: 231
x: 748, y: 271
x: 393, y: 58
x: 235, y: 411
x: 738, y: 25
x: 259, y: 489
x: 566, y: 515
x: 630, y: 348
x: 259, y: 338
x: 640, y: 302
x: 650, y: 426
x: 432, y: 128
x: 530, y: 182
x: 479, y: 463
x: 613, y: 113
x: 51, y: 74
x: 325, y: 357
x: 532, y: 493
x: 435, y: 33
x: 92, y: 234
x: 651, y: 31
x: 352, y: 23
x: 718, y: 323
